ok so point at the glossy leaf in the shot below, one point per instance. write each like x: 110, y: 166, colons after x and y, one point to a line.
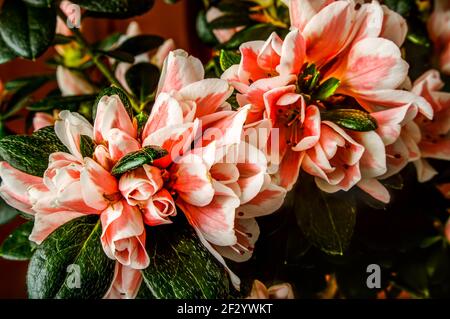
x: 133, y: 160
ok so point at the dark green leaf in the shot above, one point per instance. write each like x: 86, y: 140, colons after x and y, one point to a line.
x: 110, y: 91
x: 76, y: 243
x: 204, y: 32
x: 141, y: 44
x: 257, y: 32
x: 87, y: 146
x: 326, y: 89
x: 119, y: 9
x: 7, y: 213
x: 181, y: 267
x: 17, y: 246
x: 228, y: 21
x: 142, y: 78
x: 235, y: 6
x: 40, y: 3
x: 327, y: 220
x: 351, y: 119
x: 71, y: 102
x: 30, y: 153
x: 108, y: 42
x: 133, y: 160
x: 28, y: 31
x: 229, y: 58
x: 23, y: 88
x: 62, y: 39
x: 121, y: 56
x: 6, y: 54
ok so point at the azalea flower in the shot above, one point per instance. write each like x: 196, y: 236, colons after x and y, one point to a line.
x: 362, y: 64
x: 222, y: 35
x: 216, y: 184
x: 72, y: 83
x: 431, y: 137
x: 439, y: 31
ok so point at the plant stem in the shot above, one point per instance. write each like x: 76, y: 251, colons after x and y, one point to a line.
x: 96, y: 58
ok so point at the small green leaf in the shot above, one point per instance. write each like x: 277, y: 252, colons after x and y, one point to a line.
x: 141, y: 119
x: 351, y: 119
x: 7, y: 213
x: 133, y: 160
x: 142, y: 78
x: 110, y: 91
x: 326, y: 89
x: 181, y: 267
x: 87, y: 146
x: 117, y: 9
x: 17, y: 246
x: 204, y: 32
x: 228, y: 21
x: 6, y: 54
x: 27, y: 30
x: 141, y: 44
x: 40, y: 3
x: 108, y: 42
x: 73, y: 249
x: 119, y: 55
x: 327, y: 220
x: 71, y: 102
x: 309, y: 78
x: 30, y: 153
x: 229, y: 58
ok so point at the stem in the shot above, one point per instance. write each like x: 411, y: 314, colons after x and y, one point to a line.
x: 96, y: 58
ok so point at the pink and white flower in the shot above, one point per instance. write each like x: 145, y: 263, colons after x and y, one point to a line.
x: 439, y: 31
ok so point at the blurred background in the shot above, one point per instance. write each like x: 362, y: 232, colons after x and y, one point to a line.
x: 168, y: 21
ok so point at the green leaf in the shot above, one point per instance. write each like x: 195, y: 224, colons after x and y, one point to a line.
x: 235, y: 6
x: 141, y: 119
x: 204, y: 32
x: 228, y: 59
x: 23, y: 88
x: 71, y: 102
x: 76, y: 243
x: 228, y: 21
x: 181, y: 267
x: 327, y: 220
x: 87, y: 146
x: 121, y: 56
x: 351, y: 119
x: 119, y: 9
x: 17, y: 246
x: 110, y: 91
x: 142, y: 78
x: 309, y: 78
x: 61, y: 39
x: 256, y: 32
x: 40, y: 3
x: 30, y: 153
x: 108, y: 42
x: 6, y: 54
x: 141, y: 44
x: 7, y: 213
x: 326, y: 89
x: 28, y: 31
x: 133, y: 160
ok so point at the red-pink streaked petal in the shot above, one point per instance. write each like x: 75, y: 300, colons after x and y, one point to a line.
x: 292, y: 54
x: 120, y: 144
x: 125, y: 284
x: 375, y: 189
x: 159, y: 208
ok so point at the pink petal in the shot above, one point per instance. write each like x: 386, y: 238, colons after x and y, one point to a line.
x: 373, y: 161
x: 125, y: 284
x: 15, y: 186
x: 375, y: 189
x: 140, y: 184
x: 97, y: 185
x: 395, y: 27
x: 111, y: 113
x: 158, y: 209
x: 123, y: 236
x: 249, y: 70
x: 215, y: 220
x: 41, y: 120
x: 302, y: 11
x: 208, y: 94
x: 179, y: 70
x: 292, y: 54
x: 289, y: 169
x: 120, y: 144
x: 425, y: 171
x: 71, y: 83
